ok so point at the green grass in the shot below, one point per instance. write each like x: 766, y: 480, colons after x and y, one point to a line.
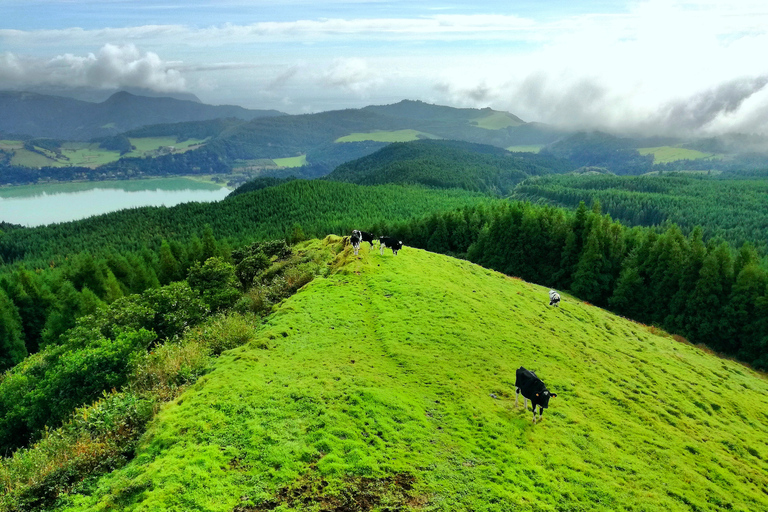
x: 496, y: 121
x: 25, y: 158
x: 294, y: 161
x: 147, y: 146
x: 665, y: 154
x: 374, y: 385
x: 84, y: 154
x: 386, y: 136
x: 525, y: 149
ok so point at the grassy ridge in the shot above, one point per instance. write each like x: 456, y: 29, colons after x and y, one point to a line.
x: 376, y: 387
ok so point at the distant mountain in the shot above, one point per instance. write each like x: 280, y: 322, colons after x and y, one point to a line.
x: 447, y: 164
x: 317, y: 135
x: 95, y: 95
x: 39, y: 115
x: 253, y: 139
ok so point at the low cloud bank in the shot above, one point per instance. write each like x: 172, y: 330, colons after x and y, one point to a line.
x: 111, y: 67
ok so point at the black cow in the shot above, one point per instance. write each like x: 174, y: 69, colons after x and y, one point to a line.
x: 386, y: 241
x: 367, y: 237
x: 533, y: 389
x: 554, y: 298
x: 355, y: 240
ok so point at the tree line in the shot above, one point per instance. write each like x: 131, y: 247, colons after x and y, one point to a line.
x: 702, y: 290
x: 733, y: 209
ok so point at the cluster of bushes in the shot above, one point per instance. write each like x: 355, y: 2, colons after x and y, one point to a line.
x: 77, y: 408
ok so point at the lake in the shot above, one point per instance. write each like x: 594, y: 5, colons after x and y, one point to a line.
x: 36, y: 205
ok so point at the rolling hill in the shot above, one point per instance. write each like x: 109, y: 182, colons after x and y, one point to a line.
x: 389, y: 385
x: 447, y: 164
x: 39, y: 115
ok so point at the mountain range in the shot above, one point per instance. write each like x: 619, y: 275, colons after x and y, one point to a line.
x: 58, y: 117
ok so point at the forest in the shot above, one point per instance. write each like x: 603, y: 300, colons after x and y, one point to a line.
x: 119, y: 313
x: 732, y: 208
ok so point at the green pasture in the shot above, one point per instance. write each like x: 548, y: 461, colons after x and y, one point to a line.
x: 665, y: 154
x: 389, y: 385
x: 145, y: 146
x: 294, y: 161
x: 496, y: 121
x: 386, y: 136
x: 526, y: 149
x: 84, y: 154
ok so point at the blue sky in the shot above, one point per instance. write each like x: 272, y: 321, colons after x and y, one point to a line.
x: 651, y: 66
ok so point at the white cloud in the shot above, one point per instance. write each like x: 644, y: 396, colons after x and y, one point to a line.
x: 351, y: 74
x: 111, y: 67
x: 657, y: 65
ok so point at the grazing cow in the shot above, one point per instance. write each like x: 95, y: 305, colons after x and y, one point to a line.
x: 554, y: 298
x: 532, y: 389
x: 367, y: 237
x: 355, y: 240
x: 386, y: 241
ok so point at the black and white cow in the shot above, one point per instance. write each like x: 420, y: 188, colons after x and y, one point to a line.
x: 367, y: 237
x: 533, y: 389
x: 355, y: 240
x: 554, y: 298
x: 386, y: 241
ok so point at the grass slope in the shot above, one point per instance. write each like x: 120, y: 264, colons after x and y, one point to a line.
x: 665, y: 154
x: 294, y: 161
x: 386, y: 136
x: 373, y: 389
x: 496, y: 120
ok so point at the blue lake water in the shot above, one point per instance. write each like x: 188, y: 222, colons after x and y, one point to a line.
x: 36, y: 205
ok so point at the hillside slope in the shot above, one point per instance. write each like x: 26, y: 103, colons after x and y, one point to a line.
x: 389, y: 386
x: 447, y: 164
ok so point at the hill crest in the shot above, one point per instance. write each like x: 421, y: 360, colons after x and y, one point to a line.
x: 391, y: 383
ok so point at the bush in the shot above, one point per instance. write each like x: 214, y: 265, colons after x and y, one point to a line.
x: 96, y: 439
x: 177, y: 307
x: 215, y: 280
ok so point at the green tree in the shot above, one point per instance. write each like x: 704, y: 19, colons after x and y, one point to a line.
x: 169, y: 268
x: 216, y: 281
x: 12, y: 349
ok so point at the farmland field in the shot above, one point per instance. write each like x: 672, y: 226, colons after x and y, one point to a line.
x: 146, y: 145
x: 294, y: 161
x: 664, y: 154
x: 88, y: 154
x: 386, y: 136
x: 496, y: 121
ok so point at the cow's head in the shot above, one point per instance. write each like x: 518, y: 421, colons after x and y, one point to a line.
x: 543, y: 398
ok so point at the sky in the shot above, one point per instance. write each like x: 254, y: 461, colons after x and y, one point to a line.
x: 650, y: 66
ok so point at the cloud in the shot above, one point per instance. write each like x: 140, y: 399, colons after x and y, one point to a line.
x: 111, y: 67
x: 351, y: 74
x: 709, y: 107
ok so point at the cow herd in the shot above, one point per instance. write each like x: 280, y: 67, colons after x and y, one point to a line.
x: 357, y: 237
x: 527, y: 383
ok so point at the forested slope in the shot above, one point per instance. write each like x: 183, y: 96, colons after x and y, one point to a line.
x: 319, y: 207
x: 733, y: 209
x: 447, y: 164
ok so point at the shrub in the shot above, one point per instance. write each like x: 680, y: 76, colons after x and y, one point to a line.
x: 96, y: 439
x: 215, y: 280
x: 177, y: 307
